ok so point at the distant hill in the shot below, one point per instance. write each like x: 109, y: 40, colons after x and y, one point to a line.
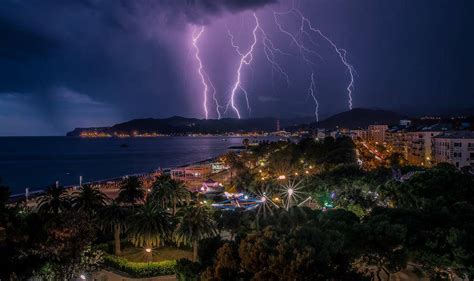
x: 359, y: 118
x: 180, y: 125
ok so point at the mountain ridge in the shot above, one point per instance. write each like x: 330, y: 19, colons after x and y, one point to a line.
x: 178, y: 125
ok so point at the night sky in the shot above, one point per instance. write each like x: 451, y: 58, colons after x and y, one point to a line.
x: 81, y: 63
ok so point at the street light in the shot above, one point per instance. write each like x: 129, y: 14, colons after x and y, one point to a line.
x: 148, y: 250
x: 82, y: 276
x: 290, y: 191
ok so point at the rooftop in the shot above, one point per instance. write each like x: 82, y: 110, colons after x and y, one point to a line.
x: 456, y: 135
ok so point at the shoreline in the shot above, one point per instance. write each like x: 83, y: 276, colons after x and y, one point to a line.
x: 19, y: 197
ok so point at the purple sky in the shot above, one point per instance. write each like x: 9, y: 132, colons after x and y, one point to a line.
x: 80, y: 63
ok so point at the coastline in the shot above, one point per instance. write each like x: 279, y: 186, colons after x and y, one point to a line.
x: 104, y: 184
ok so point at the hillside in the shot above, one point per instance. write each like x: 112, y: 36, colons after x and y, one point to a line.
x: 180, y: 125
x: 359, y: 118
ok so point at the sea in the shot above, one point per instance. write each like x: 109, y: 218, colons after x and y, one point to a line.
x: 36, y: 162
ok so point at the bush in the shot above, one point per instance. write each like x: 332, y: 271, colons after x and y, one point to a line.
x: 141, y: 269
x: 187, y: 270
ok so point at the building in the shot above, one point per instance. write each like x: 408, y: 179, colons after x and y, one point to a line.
x: 456, y: 148
x: 420, y: 142
x: 405, y: 122
x: 376, y: 133
x: 359, y: 134
x: 396, y: 139
x: 192, y: 175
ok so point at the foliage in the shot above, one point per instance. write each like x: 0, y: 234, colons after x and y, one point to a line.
x: 89, y: 199
x: 169, y: 192
x: 131, y: 191
x: 149, y: 226
x: 54, y: 200
x: 187, y: 270
x: 195, y: 223
x: 114, y: 218
x: 141, y: 269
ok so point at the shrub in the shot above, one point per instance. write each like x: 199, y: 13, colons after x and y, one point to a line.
x: 141, y: 269
x: 187, y: 270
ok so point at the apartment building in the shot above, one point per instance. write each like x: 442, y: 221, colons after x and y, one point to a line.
x: 376, y: 133
x: 456, y: 148
x: 420, y: 143
x: 396, y: 139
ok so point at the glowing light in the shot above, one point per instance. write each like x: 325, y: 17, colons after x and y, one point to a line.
x: 245, y: 59
x: 201, y: 69
x: 281, y: 177
x: 290, y: 191
x: 148, y: 250
x: 311, y: 92
x: 304, y: 32
x: 342, y: 53
x: 82, y: 276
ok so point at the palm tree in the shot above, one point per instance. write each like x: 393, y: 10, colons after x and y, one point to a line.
x: 169, y: 192
x: 89, y: 199
x: 195, y: 223
x: 150, y: 226
x: 131, y: 191
x: 54, y: 200
x: 115, y: 218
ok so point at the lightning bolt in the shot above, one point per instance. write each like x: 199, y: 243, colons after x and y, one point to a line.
x: 270, y: 52
x: 311, y: 92
x: 306, y: 51
x: 245, y: 59
x: 201, y: 68
x: 342, y: 53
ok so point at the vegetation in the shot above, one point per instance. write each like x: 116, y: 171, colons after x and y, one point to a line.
x: 131, y: 191
x: 195, y: 224
x: 141, y: 269
x: 342, y: 222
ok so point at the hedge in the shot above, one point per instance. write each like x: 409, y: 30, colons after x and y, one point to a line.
x: 141, y: 269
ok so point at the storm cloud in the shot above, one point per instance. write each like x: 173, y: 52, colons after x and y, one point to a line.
x: 72, y: 63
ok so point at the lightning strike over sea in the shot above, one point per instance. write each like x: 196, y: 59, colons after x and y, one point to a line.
x: 245, y: 59
x: 201, y: 71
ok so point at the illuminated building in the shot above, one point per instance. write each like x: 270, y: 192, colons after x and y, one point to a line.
x: 456, y: 148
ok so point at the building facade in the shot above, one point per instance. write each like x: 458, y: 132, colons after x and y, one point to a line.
x: 376, y: 133
x: 456, y: 148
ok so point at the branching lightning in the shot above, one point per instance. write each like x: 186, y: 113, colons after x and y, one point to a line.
x: 305, y: 39
x: 304, y: 50
x: 245, y: 59
x: 201, y: 69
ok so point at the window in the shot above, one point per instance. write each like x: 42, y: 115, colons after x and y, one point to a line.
x: 457, y: 144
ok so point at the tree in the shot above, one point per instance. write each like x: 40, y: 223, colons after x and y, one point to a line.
x: 384, y: 243
x: 246, y: 143
x: 4, y: 194
x: 54, y: 200
x: 114, y: 218
x: 89, y: 199
x: 195, y: 223
x: 69, y: 237
x: 170, y: 192
x: 131, y: 191
x: 149, y: 226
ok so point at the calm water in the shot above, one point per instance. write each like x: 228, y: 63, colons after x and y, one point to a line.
x: 35, y: 162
